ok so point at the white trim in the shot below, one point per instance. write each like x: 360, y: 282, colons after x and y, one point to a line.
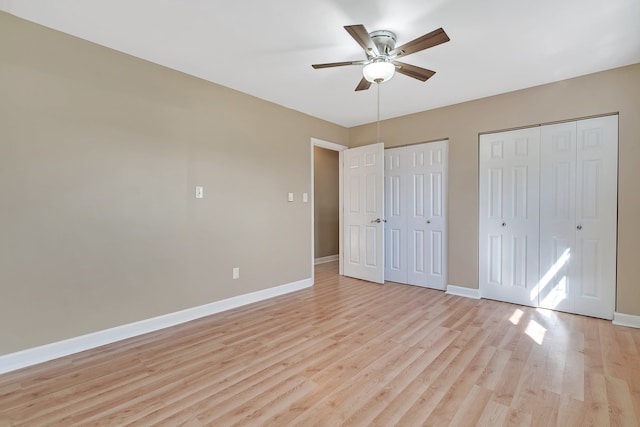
x: 340, y: 212
x: 312, y: 168
x: 463, y: 292
x: 32, y: 356
x: 628, y: 320
x: 326, y: 259
x: 328, y: 145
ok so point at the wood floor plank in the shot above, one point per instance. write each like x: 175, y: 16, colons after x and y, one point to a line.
x: 620, y: 404
x: 452, y: 402
x: 436, y: 384
x: 493, y: 414
x: 346, y: 352
x: 493, y: 371
x: 346, y: 398
x: 472, y: 409
x: 598, y: 402
x: 391, y: 401
x: 571, y: 413
x: 508, y: 384
x: 516, y: 418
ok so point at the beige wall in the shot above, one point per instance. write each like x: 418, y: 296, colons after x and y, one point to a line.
x: 99, y: 156
x: 326, y: 206
x: 611, y: 91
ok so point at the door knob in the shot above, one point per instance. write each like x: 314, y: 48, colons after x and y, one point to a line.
x: 579, y: 227
x: 428, y: 221
x: 504, y: 224
x: 378, y: 220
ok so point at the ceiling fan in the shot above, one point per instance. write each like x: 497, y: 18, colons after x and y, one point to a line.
x: 381, y: 63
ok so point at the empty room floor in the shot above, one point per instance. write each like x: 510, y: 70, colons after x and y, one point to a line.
x: 346, y: 352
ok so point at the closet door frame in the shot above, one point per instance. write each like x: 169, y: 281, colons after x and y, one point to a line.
x: 578, y: 172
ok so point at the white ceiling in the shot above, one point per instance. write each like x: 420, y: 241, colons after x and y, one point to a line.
x: 266, y: 48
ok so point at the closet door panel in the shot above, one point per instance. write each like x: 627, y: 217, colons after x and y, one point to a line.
x: 418, y: 207
x: 436, y: 215
x: 395, y: 215
x: 596, y: 216
x: 427, y: 176
x: 557, y: 216
x: 509, y: 216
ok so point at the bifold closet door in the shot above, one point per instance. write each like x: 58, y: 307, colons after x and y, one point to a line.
x: 596, y: 216
x: 509, y: 217
x: 395, y: 213
x: 578, y: 216
x: 416, y: 211
x: 557, y: 216
x: 426, y: 214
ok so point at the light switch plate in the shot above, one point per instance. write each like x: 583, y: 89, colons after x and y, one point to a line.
x: 305, y: 197
x: 290, y: 197
x: 199, y: 192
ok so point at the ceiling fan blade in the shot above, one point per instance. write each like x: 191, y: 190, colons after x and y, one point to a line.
x: 363, y: 85
x: 338, y: 64
x: 419, y: 73
x: 361, y: 35
x: 434, y: 38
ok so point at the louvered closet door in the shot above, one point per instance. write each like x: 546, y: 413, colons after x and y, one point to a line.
x: 426, y: 214
x: 395, y: 213
x: 509, y: 217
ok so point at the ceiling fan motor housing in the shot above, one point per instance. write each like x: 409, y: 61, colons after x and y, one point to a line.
x: 384, y: 40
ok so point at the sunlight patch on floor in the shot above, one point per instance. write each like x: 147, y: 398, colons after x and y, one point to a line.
x: 516, y: 316
x: 536, y: 331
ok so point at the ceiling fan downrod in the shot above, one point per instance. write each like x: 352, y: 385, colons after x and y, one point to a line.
x: 378, y: 116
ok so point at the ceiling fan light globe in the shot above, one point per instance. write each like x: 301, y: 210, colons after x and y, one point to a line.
x: 378, y: 72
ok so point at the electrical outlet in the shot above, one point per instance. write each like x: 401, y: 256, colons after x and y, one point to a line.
x: 236, y: 272
x: 199, y: 192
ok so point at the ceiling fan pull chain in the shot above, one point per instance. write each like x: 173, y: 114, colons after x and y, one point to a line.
x: 378, y: 117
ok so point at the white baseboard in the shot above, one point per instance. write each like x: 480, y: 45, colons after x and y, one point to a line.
x: 628, y: 320
x: 463, y: 292
x: 326, y: 259
x: 44, y: 353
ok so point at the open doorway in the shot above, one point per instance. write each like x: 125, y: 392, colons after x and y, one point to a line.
x: 326, y: 227
x: 326, y: 200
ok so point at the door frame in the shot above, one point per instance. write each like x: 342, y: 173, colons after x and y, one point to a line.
x: 315, y: 142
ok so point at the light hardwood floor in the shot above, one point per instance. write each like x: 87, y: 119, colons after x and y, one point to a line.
x: 347, y: 352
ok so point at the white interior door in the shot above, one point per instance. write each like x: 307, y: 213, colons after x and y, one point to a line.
x: 509, y: 215
x: 395, y: 229
x: 426, y: 214
x: 596, y: 216
x: 363, y: 212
